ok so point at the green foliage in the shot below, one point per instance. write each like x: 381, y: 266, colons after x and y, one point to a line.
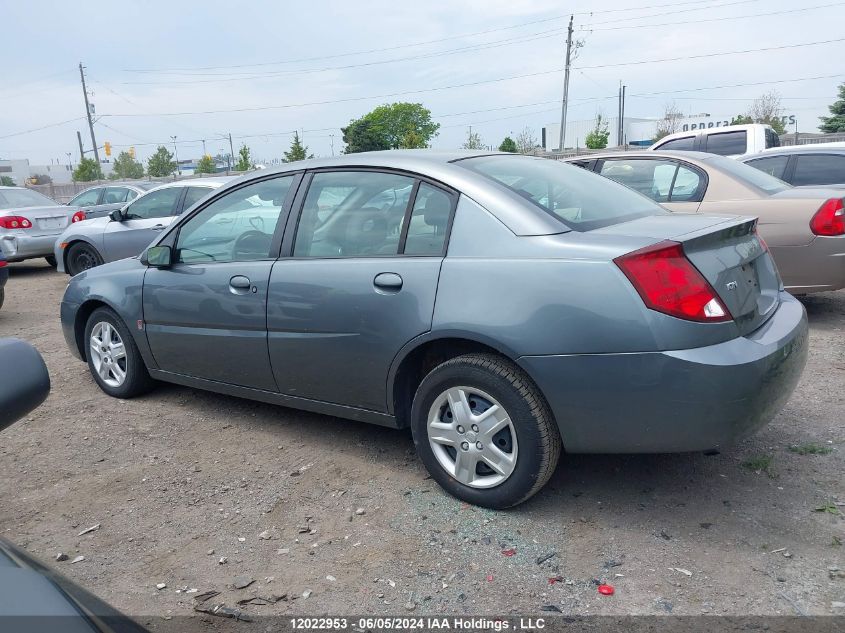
x: 508, y: 145
x: 473, y: 141
x: 206, y: 165
x: 161, y: 163
x: 835, y: 122
x: 297, y: 150
x: 87, y: 170
x: 760, y: 464
x: 7, y: 181
x: 811, y: 449
x: 390, y: 126
x: 127, y: 167
x: 828, y: 507
x: 244, y: 159
x: 597, y: 138
x: 741, y: 119
x: 112, y: 176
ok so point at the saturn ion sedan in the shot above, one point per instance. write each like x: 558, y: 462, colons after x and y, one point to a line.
x: 505, y: 308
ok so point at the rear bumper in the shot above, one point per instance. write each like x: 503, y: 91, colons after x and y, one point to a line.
x: 18, y: 247
x: 675, y: 401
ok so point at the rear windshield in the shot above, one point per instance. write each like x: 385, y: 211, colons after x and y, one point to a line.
x: 23, y: 198
x: 580, y: 199
x: 748, y: 174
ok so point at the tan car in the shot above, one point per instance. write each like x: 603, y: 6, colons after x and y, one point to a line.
x: 804, y: 228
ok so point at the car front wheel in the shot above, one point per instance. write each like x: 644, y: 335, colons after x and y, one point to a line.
x: 484, y: 431
x: 82, y: 256
x: 113, y: 357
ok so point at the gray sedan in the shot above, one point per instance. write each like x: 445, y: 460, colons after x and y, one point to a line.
x: 101, y: 200
x: 504, y: 308
x: 31, y: 222
x: 126, y: 232
x: 803, y: 165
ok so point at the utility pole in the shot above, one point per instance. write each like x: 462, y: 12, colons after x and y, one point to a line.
x: 619, y: 116
x: 203, y: 148
x: 622, y: 119
x: 88, y: 113
x: 81, y: 151
x: 565, y: 101
x: 331, y: 136
x: 231, y: 149
x: 176, y: 155
x: 69, y: 164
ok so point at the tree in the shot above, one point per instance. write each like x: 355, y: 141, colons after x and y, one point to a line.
x: 767, y: 109
x: 597, y: 138
x: 161, y: 163
x: 7, y: 181
x: 508, y: 145
x: 526, y: 142
x: 297, y: 150
x: 390, y: 126
x: 127, y: 167
x: 206, y: 165
x: 244, y: 160
x: 741, y: 119
x: 87, y: 170
x: 669, y: 122
x: 835, y: 122
x: 473, y: 140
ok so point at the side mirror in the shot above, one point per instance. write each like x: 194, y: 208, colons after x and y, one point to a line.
x: 157, y: 256
x: 116, y: 215
x: 31, y: 382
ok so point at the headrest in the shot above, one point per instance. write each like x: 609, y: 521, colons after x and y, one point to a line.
x: 436, y: 209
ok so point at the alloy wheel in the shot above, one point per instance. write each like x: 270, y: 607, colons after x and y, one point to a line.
x: 108, y: 354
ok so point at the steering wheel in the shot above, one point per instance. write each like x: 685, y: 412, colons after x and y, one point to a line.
x: 252, y: 244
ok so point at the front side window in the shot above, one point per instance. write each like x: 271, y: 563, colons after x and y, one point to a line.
x: 155, y: 204
x: 685, y: 143
x: 352, y: 214
x: 429, y: 222
x: 236, y: 227
x: 115, y: 195
x: 819, y: 169
x: 86, y: 198
x: 727, y: 143
x: 773, y: 165
x: 582, y: 200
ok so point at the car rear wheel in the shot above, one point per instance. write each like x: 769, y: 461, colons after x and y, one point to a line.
x: 484, y: 431
x: 2, y: 296
x: 113, y: 357
x: 82, y: 256
x: 51, y: 259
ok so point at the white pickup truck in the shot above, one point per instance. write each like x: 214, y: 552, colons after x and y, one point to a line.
x: 731, y: 140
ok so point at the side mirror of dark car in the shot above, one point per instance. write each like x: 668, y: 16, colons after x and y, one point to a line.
x: 31, y: 382
x: 116, y: 215
x: 157, y: 256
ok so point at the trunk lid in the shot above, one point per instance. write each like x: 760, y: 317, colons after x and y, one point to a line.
x: 727, y: 252
x: 45, y: 220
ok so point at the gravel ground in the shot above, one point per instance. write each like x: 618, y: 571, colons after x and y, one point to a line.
x: 179, y: 480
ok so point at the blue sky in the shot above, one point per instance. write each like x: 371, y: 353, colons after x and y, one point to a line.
x: 278, y: 66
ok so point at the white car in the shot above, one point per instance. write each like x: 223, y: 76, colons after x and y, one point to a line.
x: 730, y: 141
x: 126, y: 232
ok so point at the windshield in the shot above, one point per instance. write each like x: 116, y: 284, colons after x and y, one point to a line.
x: 580, y: 199
x: 23, y: 198
x: 748, y: 174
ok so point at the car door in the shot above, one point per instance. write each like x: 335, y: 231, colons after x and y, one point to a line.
x: 356, y: 282
x: 143, y: 220
x: 88, y: 201
x: 818, y: 169
x: 206, y: 315
x: 675, y: 185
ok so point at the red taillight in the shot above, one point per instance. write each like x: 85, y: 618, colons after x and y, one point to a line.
x: 77, y: 217
x: 3, y: 262
x: 829, y: 219
x: 669, y: 283
x: 15, y: 222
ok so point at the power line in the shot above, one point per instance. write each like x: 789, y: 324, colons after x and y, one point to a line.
x: 43, y: 127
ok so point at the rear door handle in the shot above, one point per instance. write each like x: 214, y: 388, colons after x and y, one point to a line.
x: 240, y: 284
x: 390, y: 282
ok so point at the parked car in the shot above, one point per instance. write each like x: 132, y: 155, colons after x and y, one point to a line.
x: 804, y: 228
x: 730, y: 140
x: 523, y: 306
x: 103, y: 199
x: 31, y: 222
x: 126, y: 232
x: 803, y: 165
x: 4, y: 277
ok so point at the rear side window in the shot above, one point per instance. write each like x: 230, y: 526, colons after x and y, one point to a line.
x: 115, y: 195
x: 581, y: 200
x: 772, y: 139
x: 685, y: 143
x: 429, y: 222
x: 660, y: 180
x: 155, y: 204
x: 821, y: 169
x: 86, y: 198
x: 193, y: 195
x: 727, y: 143
x: 23, y: 198
x: 773, y: 165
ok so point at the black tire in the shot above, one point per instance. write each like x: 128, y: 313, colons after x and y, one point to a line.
x: 82, y: 256
x: 2, y: 296
x: 51, y: 259
x: 137, y: 379
x: 532, y: 420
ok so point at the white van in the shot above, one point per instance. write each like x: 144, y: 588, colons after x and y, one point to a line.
x: 731, y: 140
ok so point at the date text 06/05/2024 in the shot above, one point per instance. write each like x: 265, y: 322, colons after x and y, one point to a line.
x: 417, y: 623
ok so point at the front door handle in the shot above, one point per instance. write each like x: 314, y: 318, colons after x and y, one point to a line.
x: 390, y: 282
x: 159, y: 227
x: 240, y: 284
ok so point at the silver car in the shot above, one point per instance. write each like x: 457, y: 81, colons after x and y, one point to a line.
x: 103, y: 199
x: 126, y: 232
x: 30, y: 223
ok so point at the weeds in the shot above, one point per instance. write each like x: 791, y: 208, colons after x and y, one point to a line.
x: 760, y: 464
x: 811, y: 449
